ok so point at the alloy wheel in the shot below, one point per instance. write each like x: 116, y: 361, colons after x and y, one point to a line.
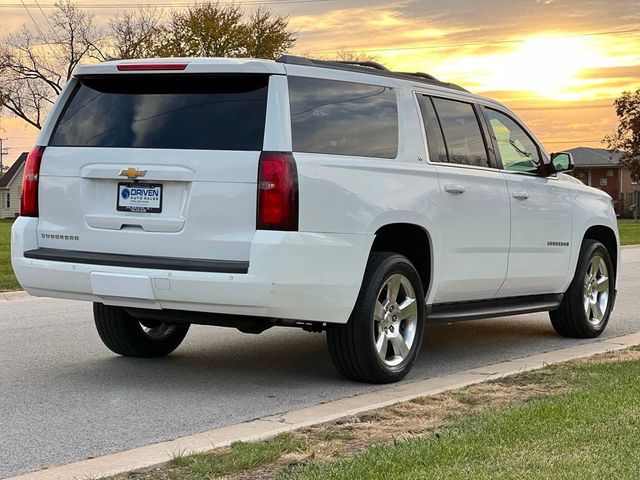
x: 395, y: 320
x: 596, y: 290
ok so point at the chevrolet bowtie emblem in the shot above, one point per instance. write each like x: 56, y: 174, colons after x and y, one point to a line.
x: 132, y: 173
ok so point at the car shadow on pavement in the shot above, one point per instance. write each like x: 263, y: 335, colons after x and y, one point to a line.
x: 221, y: 358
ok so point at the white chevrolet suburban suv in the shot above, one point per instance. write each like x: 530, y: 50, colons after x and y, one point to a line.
x: 337, y: 197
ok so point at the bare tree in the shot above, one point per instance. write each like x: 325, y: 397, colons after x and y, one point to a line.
x: 35, y: 64
x: 347, y: 56
x: 344, y: 56
x: 134, y: 34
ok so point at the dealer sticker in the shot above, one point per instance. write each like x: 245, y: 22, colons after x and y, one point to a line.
x: 139, y: 197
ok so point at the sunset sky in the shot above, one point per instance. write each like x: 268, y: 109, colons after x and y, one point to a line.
x: 558, y: 63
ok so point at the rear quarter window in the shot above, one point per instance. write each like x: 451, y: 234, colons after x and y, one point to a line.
x: 206, y: 112
x: 462, y: 133
x: 341, y: 118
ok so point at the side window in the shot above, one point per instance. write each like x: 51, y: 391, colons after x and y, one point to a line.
x: 435, y: 140
x: 341, y: 118
x: 8, y: 200
x: 462, y: 133
x: 519, y: 153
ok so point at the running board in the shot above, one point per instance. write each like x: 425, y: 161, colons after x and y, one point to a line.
x: 497, y: 307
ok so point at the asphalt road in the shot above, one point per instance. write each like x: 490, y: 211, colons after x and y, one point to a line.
x: 64, y: 397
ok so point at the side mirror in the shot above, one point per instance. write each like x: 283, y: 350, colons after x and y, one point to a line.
x: 562, y: 162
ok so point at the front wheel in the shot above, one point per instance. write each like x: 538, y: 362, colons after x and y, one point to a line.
x: 587, y: 304
x: 381, y: 340
x: 132, y: 337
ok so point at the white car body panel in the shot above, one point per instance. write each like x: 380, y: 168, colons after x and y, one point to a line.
x: 482, y: 245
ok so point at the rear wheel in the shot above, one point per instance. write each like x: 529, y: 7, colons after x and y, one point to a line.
x: 132, y: 337
x: 587, y: 304
x: 381, y: 340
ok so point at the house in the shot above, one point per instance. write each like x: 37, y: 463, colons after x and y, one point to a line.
x: 11, y: 188
x: 601, y: 168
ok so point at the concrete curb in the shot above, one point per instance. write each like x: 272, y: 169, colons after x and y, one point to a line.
x: 14, y: 296
x: 159, y: 454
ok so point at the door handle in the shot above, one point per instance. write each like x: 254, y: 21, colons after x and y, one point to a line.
x: 454, y: 189
x: 520, y: 195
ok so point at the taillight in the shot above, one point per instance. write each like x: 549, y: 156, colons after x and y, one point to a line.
x: 277, y: 192
x: 29, y: 202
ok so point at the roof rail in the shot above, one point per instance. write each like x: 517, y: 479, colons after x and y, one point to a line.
x: 368, y: 64
x: 373, y: 68
x: 426, y: 76
x: 296, y: 60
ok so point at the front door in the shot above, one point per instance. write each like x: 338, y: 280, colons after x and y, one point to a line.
x: 541, y: 218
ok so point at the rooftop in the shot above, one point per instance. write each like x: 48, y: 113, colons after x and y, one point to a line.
x: 595, y: 157
x: 13, y: 170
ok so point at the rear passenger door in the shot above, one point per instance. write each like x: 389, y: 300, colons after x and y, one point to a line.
x: 541, y: 214
x: 475, y: 217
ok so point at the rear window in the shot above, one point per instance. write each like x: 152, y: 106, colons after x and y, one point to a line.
x: 340, y: 118
x: 203, y: 112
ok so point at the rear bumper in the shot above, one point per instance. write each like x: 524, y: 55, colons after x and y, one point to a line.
x: 291, y: 275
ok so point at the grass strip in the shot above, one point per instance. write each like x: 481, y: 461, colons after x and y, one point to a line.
x: 8, y: 280
x: 629, y: 232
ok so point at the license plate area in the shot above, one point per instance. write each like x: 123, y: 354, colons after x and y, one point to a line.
x: 139, y: 197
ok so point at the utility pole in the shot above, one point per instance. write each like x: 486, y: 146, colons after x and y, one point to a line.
x: 3, y: 151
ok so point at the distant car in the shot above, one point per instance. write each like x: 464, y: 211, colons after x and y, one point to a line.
x: 323, y: 195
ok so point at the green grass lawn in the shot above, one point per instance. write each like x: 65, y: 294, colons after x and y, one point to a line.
x: 629, y: 232
x: 590, y: 432
x: 7, y: 278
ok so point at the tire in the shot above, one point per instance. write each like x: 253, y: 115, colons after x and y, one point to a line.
x: 352, y: 346
x: 131, y: 337
x: 587, y: 304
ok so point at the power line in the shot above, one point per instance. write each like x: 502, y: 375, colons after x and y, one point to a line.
x: 484, y: 43
x: 172, y: 4
x: 568, y: 107
x: 37, y: 27
x: 53, y: 31
x: 363, y: 50
x: 34, y: 22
